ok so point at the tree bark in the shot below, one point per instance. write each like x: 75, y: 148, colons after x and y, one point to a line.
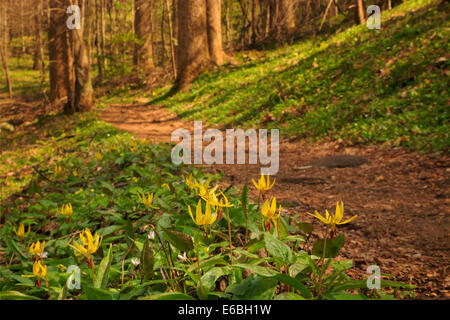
x: 192, y: 51
x: 58, y: 53
x: 214, y: 29
x: 172, y: 49
x: 4, y: 45
x: 143, y: 54
x: 83, y: 99
x: 38, y: 58
x: 360, y: 11
x: 286, y: 19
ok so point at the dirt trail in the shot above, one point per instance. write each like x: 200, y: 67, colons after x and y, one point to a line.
x: 401, y: 197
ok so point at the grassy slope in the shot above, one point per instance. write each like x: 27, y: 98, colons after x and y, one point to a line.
x: 365, y: 86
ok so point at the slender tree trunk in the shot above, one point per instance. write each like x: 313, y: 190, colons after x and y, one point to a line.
x: 143, y: 54
x: 4, y: 46
x: 22, y: 30
x: 214, y: 28
x: 192, y: 52
x: 264, y: 7
x: 273, y: 5
x: 89, y: 29
x: 162, y: 29
x: 98, y: 41
x: 360, y: 11
x: 227, y: 21
x: 103, y: 35
x: 172, y: 49
x: 111, y: 31
x: 325, y: 14
x: 254, y: 23
x: 38, y: 59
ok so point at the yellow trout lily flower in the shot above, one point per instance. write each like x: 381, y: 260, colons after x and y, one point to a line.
x: 333, y: 220
x: 39, y: 271
x: 224, y: 203
x: 203, y: 191
x: 211, y: 196
x: 57, y: 170
x: 191, y: 183
x: 21, y: 231
x: 269, y: 211
x: 133, y: 146
x: 262, y: 184
x: 147, y: 200
x: 37, y: 249
x: 202, y: 220
x: 90, y: 244
x: 66, y: 210
x: 61, y: 267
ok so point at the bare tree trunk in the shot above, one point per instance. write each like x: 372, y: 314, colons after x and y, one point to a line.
x: 264, y: 7
x: 22, y: 31
x: 4, y: 47
x: 89, y: 29
x: 83, y: 99
x: 38, y: 58
x: 192, y: 52
x: 143, y: 54
x: 214, y: 29
x: 227, y: 21
x: 360, y: 11
x: 98, y: 41
x: 172, y: 49
x: 103, y: 37
x: 286, y: 19
x: 325, y: 14
x: 57, y: 50
x: 162, y: 29
x: 254, y: 23
x: 273, y: 5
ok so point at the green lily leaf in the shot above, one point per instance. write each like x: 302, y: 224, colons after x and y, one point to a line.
x: 278, y: 249
x: 102, y: 277
x: 332, y: 247
x: 147, y: 261
x: 179, y: 240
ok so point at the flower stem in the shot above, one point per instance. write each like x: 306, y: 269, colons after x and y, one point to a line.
x: 48, y: 288
x: 93, y: 271
x: 229, y: 236
x: 261, y: 227
x: 322, y: 271
x: 198, y: 264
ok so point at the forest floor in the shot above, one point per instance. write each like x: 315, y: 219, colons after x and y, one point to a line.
x: 401, y: 197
